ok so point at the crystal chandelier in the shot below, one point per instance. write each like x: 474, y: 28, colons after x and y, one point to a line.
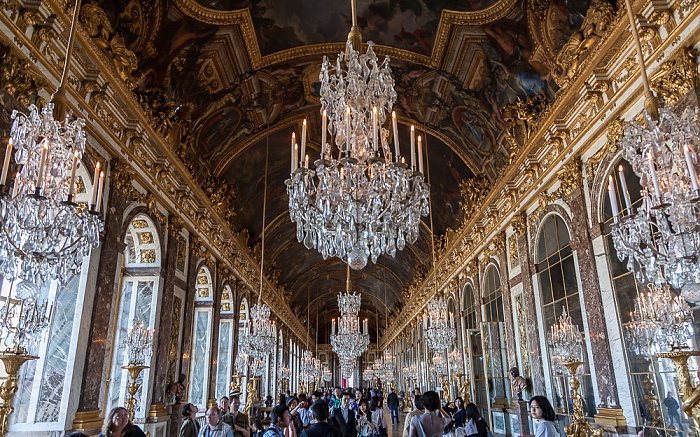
x: 139, y: 344
x: 361, y: 200
x: 326, y: 374
x: 347, y: 367
x: 368, y: 374
x: 24, y: 315
x: 660, y: 317
x: 284, y: 373
x: 661, y: 240
x: 439, y: 325
x: 566, y: 341
x: 439, y: 362
x: 349, y: 342
x: 455, y: 360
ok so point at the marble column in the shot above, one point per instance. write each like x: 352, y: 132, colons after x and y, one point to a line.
x: 591, y: 296
x: 160, y: 381
x: 216, y: 322
x: 527, y: 270
x: 88, y: 414
x: 509, y: 330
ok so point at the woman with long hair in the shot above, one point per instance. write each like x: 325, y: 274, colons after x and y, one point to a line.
x: 377, y: 415
x: 459, y: 415
x: 475, y: 424
x: 117, y: 424
x: 365, y: 427
x: 541, y: 410
x: 433, y: 421
x: 295, y: 427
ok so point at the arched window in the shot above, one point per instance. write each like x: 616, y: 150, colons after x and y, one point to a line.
x: 243, y: 313
x: 474, y: 347
x: 493, y: 340
x: 226, y: 328
x: 557, y: 278
x: 649, y: 377
x: 136, y: 302
x: 493, y: 296
x: 201, y: 340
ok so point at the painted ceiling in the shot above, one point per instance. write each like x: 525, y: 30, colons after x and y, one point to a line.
x: 243, y: 74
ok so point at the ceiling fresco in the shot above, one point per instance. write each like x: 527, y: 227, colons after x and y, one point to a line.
x: 226, y: 80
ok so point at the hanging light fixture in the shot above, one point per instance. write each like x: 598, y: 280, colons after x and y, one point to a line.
x: 259, y: 338
x: 350, y: 341
x: 439, y: 325
x: 566, y: 341
x: 661, y: 240
x: 361, y: 199
x: 44, y: 234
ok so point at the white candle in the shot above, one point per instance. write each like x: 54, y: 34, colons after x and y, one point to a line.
x: 15, y: 187
x: 73, y: 169
x: 420, y: 154
x: 6, y: 164
x: 333, y: 327
x: 95, y: 182
x: 395, y: 128
x: 42, y: 163
x: 654, y: 179
x: 296, y: 156
x: 625, y: 192
x: 303, y: 138
x: 413, y: 147
x: 99, y: 191
x: 324, y: 128
x: 347, y: 130
x: 613, y: 199
x: 294, y: 152
x: 306, y: 161
x: 691, y: 167
x: 374, y: 127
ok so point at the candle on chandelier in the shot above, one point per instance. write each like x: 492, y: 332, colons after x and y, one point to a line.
x: 95, y: 182
x: 654, y: 179
x: 395, y: 128
x: 347, y: 130
x: 420, y: 154
x: 366, y: 328
x: 324, y: 128
x: 42, y: 164
x: 333, y: 327
x: 303, y: 139
x: 613, y: 199
x: 374, y: 128
x: 15, y: 187
x: 99, y: 191
x: 294, y: 152
x: 691, y: 167
x: 413, y: 147
x: 625, y: 192
x: 73, y: 169
x: 6, y: 164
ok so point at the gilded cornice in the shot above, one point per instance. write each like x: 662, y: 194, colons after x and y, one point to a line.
x: 128, y: 135
x: 527, y: 173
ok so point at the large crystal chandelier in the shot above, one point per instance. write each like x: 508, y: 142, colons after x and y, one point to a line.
x: 361, y: 199
x: 439, y: 362
x: 350, y: 340
x: 139, y: 344
x: 347, y: 367
x: 439, y: 325
x: 661, y: 240
x: 565, y: 339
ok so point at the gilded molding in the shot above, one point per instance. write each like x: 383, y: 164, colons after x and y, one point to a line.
x: 677, y: 76
x: 175, y: 226
x: 513, y: 250
x: 614, y: 133
x: 519, y: 223
x: 18, y: 78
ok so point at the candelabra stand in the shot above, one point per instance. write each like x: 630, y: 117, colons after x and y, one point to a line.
x: 251, y: 393
x: 690, y: 396
x: 133, y: 387
x: 463, y: 387
x: 445, y: 385
x: 302, y: 387
x: 13, y: 360
x: 407, y: 396
x: 652, y: 403
x: 579, y: 426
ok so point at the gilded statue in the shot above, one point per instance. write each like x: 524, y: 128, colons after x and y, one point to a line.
x: 598, y: 20
x: 517, y: 383
x: 250, y: 397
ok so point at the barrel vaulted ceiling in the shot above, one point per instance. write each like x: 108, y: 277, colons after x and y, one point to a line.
x: 244, y: 74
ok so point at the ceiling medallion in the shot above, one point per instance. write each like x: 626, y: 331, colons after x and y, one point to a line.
x: 361, y: 199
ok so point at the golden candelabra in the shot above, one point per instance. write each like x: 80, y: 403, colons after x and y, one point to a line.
x: 407, y: 408
x: 13, y: 360
x: 445, y: 385
x: 463, y: 387
x: 251, y: 393
x: 235, y: 385
x: 652, y: 403
x: 579, y: 426
x: 133, y: 387
x: 690, y: 396
x: 302, y: 387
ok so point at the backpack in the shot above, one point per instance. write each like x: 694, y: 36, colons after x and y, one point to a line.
x: 482, y: 427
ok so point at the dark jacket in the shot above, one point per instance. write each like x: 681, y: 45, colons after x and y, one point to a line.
x: 323, y: 429
x: 133, y: 431
x: 189, y: 428
x: 240, y: 420
x: 392, y: 400
x: 348, y: 429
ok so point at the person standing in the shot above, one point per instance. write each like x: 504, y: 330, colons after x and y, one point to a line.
x: 393, y: 401
x: 377, y: 415
x: 215, y: 427
x: 589, y: 399
x: 433, y: 421
x: 279, y: 420
x: 418, y: 404
x: 345, y: 417
x: 460, y: 413
x: 321, y: 427
x: 475, y: 424
x: 238, y: 421
x: 117, y: 424
x: 190, y: 427
x: 541, y: 410
x: 672, y: 407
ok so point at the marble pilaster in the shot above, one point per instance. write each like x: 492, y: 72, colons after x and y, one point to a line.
x: 216, y: 322
x: 591, y: 295
x: 509, y: 341
x: 188, y: 313
x: 88, y: 413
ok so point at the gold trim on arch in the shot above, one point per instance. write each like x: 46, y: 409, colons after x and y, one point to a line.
x: 242, y: 18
